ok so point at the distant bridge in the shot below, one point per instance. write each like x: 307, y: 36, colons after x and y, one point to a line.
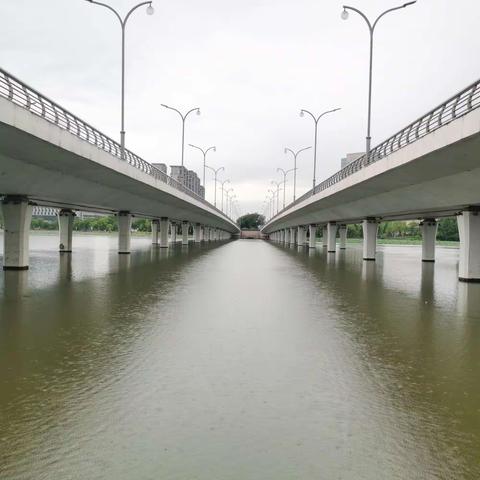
x: 429, y: 169
x: 51, y: 158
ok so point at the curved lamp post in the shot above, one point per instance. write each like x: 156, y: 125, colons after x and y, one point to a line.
x: 223, y: 189
x: 215, y: 171
x: 204, y: 152
x: 183, y: 117
x: 295, y: 154
x: 316, y: 119
x: 277, y: 184
x: 371, y: 28
x: 123, y: 24
x: 285, y: 173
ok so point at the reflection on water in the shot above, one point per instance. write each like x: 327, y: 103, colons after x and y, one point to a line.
x: 243, y: 360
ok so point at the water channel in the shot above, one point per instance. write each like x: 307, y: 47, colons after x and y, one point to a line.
x: 240, y: 361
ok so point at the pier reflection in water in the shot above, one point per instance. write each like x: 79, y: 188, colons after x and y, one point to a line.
x: 244, y: 360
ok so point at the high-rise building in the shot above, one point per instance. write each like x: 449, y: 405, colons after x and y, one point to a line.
x: 351, y: 157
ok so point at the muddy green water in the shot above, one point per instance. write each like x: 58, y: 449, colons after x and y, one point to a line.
x: 242, y: 361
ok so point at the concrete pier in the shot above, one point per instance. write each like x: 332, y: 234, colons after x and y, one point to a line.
x: 155, y: 231
x: 292, y: 236
x: 370, y: 228
x: 124, y: 232
x: 287, y: 236
x: 342, y: 232
x: 301, y: 239
x: 469, y: 230
x: 17, y: 216
x: 197, y: 233
x: 65, y: 227
x: 164, y: 232
x: 331, y: 237
x: 185, y: 227
x: 428, y: 227
x: 173, y: 233
x: 312, y: 230
x: 325, y: 236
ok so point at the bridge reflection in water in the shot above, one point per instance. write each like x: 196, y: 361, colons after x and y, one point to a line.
x: 247, y: 360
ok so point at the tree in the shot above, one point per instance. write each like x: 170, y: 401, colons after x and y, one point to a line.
x: 251, y: 221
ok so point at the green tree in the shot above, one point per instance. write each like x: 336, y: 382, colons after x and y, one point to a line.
x: 251, y: 221
x: 448, y: 229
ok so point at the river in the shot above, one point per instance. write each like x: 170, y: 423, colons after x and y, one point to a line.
x: 240, y: 361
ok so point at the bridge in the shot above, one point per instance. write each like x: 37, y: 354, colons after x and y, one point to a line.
x: 428, y: 170
x: 51, y: 158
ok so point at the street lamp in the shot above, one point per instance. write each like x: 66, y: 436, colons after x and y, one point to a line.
x: 371, y: 28
x: 223, y: 189
x: 273, y: 182
x: 285, y: 173
x: 183, y: 117
x: 315, y: 119
x: 215, y: 171
x: 295, y: 154
x: 214, y: 149
x: 123, y: 24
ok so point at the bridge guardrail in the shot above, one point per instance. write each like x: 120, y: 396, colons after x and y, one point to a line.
x: 455, y: 107
x: 27, y: 97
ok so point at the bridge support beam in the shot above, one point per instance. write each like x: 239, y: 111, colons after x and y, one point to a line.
x: 155, y: 230
x: 325, y: 236
x: 331, y: 237
x: 65, y: 228
x: 342, y: 231
x: 292, y: 236
x: 312, y: 231
x: 173, y: 233
x: 17, y: 216
x: 469, y: 230
x: 164, y: 232
x: 124, y: 232
x: 185, y: 227
x: 197, y: 232
x: 301, y: 236
x: 370, y: 228
x: 428, y: 227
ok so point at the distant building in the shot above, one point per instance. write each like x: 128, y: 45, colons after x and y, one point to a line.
x: 351, y: 157
x: 201, y: 191
x: 179, y: 173
x: 160, y: 166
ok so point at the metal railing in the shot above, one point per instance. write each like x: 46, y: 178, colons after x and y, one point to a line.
x: 27, y: 97
x: 455, y: 107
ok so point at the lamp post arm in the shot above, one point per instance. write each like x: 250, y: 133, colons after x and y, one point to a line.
x: 301, y: 150
x: 190, y: 111
x: 198, y: 148
x: 310, y: 113
x: 174, y: 109
x: 390, y: 10
x: 328, y: 111
x: 133, y: 9
x: 346, y: 7
x: 110, y: 8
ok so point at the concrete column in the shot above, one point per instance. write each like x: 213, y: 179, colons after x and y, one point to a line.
x: 331, y: 237
x: 342, y: 231
x: 164, y: 232
x: 124, y: 232
x: 201, y: 229
x: 17, y: 216
x: 292, y: 236
x: 370, y: 228
x: 301, y: 236
x: 312, y: 230
x: 173, y: 233
x: 287, y: 236
x: 282, y: 236
x: 185, y: 226
x: 197, y: 228
x: 65, y: 227
x: 428, y: 227
x: 155, y: 230
x: 469, y: 230
x: 325, y: 236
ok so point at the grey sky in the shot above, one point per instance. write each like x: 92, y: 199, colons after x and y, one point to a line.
x: 250, y: 65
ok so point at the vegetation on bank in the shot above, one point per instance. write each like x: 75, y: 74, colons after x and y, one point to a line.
x: 251, y: 221
x: 396, y: 232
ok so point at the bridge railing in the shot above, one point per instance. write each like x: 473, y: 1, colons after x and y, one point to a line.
x: 27, y: 97
x: 455, y: 107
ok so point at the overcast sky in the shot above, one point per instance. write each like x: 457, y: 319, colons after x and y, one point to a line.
x: 250, y: 65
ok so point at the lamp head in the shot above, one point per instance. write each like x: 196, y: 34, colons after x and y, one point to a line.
x: 344, y: 14
x: 150, y: 10
x: 198, y: 111
x: 302, y: 113
x: 409, y: 3
x: 214, y: 149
